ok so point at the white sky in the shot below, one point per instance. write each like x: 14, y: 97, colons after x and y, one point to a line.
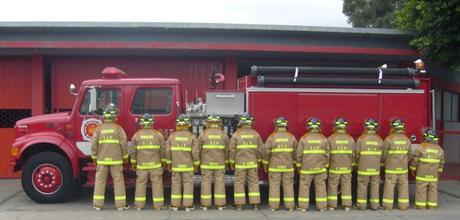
x: 284, y: 12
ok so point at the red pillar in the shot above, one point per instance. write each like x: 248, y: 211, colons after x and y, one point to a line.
x: 230, y: 71
x: 37, y: 85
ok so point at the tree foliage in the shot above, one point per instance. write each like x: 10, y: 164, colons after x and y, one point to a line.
x: 371, y: 13
x: 436, y: 26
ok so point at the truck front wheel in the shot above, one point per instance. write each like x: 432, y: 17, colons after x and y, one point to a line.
x: 47, y: 178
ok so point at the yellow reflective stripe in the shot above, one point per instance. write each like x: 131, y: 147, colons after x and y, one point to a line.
x: 146, y: 136
x: 273, y: 199
x: 239, y: 195
x: 120, y: 197
x: 181, y: 138
x: 281, y: 170
x: 212, y: 167
x: 246, y: 146
x: 96, y: 197
x: 321, y: 199
x: 144, y: 147
x: 213, y: 147
x: 167, y: 161
x: 420, y: 203
x: 278, y: 140
x: 347, y: 171
x: 181, y: 148
x: 133, y: 160
x: 389, y: 171
x: 341, y: 151
x: 341, y: 141
x: 400, y: 142
x: 313, y: 171
x: 231, y: 161
x: 158, y: 199
x: 288, y: 199
x: 110, y: 162
x: 398, y: 152
x: 403, y: 200
x: 426, y: 179
x: 247, y: 136
x: 314, y: 151
x: 332, y: 198
x: 314, y: 141
x: 196, y: 163
x: 428, y: 160
x: 298, y: 164
x: 369, y: 173
x: 126, y: 156
x: 107, y: 131
x: 145, y: 166
x: 219, y: 196
x: 176, y: 196
x: 374, y: 200
x: 440, y: 170
x: 93, y: 157
x: 139, y: 199
x: 252, y: 194
x: 278, y: 150
x: 182, y: 169
x: 432, y: 204
x: 432, y: 151
x: 374, y: 143
x: 304, y: 199
x: 413, y: 168
x: 265, y: 161
x: 346, y: 197
x: 371, y: 152
x: 388, y: 201
x: 206, y: 196
x: 362, y: 201
x: 249, y: 165
x: 214, y: 136
x: 109, y: 141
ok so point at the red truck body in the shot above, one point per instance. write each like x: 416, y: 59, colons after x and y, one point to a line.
x: 53, y: 150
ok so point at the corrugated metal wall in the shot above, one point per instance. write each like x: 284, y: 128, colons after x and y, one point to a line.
x: 15, y: 104
x: 193, y: 73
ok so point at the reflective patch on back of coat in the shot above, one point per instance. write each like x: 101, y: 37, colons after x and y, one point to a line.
x: 400, y: 142
x: 146, y: 136
x: 247, y: 136
x: 107, y: 131
x: 278, y: 140
x: 214, y: 136
x: 432, y: 151
x: 373, y: 143
x: 314, y: 141
x: 341, y: 141
x: 181, y: 138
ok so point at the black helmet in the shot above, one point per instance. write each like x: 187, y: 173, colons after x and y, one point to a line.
x: 430, y: 135
x: 281, y: 122
x: 340, y: 123
x: 397, y: 124
x: 146, y: 120
x: 110, y: 112
x: 371, y: 124
x: 245, y: 119
x: 313, y: 123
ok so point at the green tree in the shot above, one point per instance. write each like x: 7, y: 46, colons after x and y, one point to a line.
x: 436, y: 28
x: 371, y: 13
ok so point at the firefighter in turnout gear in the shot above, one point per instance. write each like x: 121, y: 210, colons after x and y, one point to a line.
x: 396, y: 155
x: 312, y: 162
x: 245, y: 154
x: 426, y: 165
x: 213, y: 143
x: 182, y: 155
x: 109, y: 152
x: 369, y: 155
x: 147, y: 154
x: 341, y: 164
x: 279, y: 161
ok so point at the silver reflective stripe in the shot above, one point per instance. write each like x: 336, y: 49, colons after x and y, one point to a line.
x: 327, y: 90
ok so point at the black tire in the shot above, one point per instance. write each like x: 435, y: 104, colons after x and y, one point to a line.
x: 62, y: 163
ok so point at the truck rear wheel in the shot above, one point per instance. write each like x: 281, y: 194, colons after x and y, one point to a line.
x: 47, y: 178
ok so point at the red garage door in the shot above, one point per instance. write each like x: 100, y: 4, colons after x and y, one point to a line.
x: 14, y: 104
x: 193, y: 73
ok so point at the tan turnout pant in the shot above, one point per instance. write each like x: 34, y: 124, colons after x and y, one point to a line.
x: 370, y: 183
x: 253, y: 184
x: 116, y: 171
x: 275, y: 179
x: 319, y: 181
x: 182, y: 181
x: 333, y: 182
x: 400, y: 181
x: 156, y: 179
x: 426, y: 194
x: 207, y: 177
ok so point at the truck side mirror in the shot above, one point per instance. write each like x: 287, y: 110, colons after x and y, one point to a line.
x: 73, y: 90
x: 92, y: 100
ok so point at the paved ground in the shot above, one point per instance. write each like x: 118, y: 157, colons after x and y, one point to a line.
x: 14, y: 204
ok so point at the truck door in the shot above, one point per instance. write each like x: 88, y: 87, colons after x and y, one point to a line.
x: 158, y: 100
x: 86, y: 120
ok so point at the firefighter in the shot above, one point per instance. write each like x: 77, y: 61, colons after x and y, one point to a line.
x: 146, y: 156
x: 109, y: 152
x: 312, y: 163
x: 426, y: 165
x: 182, y: 156
x: 245, y: 150
x: 369, y: 147
x: 341, y: 165
x: 396, y: 155
x: 279, y: 161
x: 213, y: 143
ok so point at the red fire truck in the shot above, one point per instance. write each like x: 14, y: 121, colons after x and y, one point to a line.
x: 52, y: 150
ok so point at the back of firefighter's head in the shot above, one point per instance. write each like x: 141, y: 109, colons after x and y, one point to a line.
x: 397, y: 125
x: 430, y: 136
x: 313, y: 124
x: 146, y: 120
x: 213, y: 121
x: 183, y: 122
x: 371, y: 125
x: 245, y: 120
x: 340, y: 125
x: 110, y: 113
x: 281, y: 123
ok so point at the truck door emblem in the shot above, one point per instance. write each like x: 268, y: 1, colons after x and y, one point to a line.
x: 88, y: 126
